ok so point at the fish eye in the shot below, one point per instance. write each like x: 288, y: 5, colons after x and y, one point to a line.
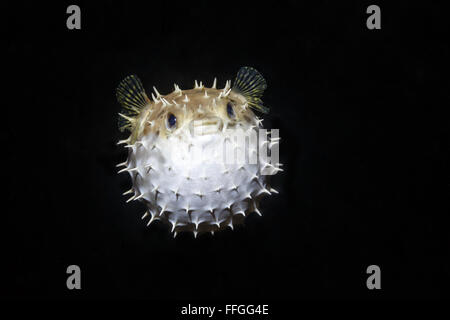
x: 230, y: 110
x: 171, y: 121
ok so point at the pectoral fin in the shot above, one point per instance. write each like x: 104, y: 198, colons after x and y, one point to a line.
x: 131, y: 95
x: 251, y: 84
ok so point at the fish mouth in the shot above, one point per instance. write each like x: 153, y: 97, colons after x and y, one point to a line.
x: 206, y: 126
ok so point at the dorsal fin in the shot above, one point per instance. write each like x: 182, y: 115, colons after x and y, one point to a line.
x: 131, y: 95
x: 251, y: 84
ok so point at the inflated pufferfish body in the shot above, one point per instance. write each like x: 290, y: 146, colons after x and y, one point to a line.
x: 180, y: 149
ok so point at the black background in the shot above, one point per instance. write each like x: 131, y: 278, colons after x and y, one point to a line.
x: 365, y: 179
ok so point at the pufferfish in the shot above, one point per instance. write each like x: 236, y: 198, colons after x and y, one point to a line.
x: 178, y: 147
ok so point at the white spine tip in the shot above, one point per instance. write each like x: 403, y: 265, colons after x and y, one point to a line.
x: 273, y: 190
x: 127, y: 192
x: 156, y: 91
x: 132, y: 198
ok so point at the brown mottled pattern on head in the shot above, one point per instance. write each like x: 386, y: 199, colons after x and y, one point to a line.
x: 190, y: 105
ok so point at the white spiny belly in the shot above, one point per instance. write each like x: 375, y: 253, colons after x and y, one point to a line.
x: 187, y: 181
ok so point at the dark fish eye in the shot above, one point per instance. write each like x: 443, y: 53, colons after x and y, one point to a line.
x: 171, y: 120
x: 230, y: 110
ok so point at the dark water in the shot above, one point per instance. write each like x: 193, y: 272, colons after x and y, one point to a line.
x: 365, y: 181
